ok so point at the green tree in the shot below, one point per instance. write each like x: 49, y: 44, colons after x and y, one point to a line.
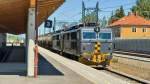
x: 142, y: 7
x: 103, y: 22
x: 111, y: 18
x: 119, y: 13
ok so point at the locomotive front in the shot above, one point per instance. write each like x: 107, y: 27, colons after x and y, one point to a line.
x: 96, y: 47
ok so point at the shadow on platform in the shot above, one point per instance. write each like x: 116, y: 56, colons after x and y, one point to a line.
x: 12, y: 62
x: 13, y: 69
x: 13, y: 73
x: 46, y: 68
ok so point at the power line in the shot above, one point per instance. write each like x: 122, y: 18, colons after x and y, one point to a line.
x: 65, y: 21
x: 67, y: 16
x: 113, y: 10
x: 124, y: 10
x: 79, y: 13
x: 118, y: 5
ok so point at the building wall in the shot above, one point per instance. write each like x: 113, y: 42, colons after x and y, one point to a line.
x: 126, y: 32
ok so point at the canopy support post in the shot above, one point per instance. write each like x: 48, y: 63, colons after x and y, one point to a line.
x: 31, y: 39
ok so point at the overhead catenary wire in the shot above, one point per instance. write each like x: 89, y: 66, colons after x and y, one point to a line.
x: 114, y: 10
x: 102, y: 10
x: 72, y: 17
x: 127, y: 4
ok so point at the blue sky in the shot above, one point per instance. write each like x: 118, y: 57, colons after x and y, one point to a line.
x: 71, y: 9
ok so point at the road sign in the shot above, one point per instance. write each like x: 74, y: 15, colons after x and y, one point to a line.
x: 48, y: 24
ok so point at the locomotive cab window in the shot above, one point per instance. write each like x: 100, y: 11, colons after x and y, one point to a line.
x: 105, y: 35
x: 89, y: 35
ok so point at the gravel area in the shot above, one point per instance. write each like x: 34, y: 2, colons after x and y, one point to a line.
x: 135, y: 71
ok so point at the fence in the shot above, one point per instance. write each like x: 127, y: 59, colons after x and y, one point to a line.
x: 138, y: 45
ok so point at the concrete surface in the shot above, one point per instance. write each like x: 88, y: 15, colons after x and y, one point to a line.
x: 95, y: 76
x: 50, y: 72
x: 55, y: 69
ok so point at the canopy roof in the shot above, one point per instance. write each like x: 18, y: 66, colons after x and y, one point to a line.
x: 131, y: 20
x: 14, y: 14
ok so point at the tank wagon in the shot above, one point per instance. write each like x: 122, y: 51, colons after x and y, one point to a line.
x: 84, y: 43
x: 45, y: 40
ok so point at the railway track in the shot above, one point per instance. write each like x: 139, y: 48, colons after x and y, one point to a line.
x: 144, y: 55
x: 129, y: 78
x: 133, y: 56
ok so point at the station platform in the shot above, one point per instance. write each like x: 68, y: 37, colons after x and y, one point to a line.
x: 55, y: 69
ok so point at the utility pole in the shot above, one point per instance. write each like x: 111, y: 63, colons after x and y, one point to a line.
x: 94, y: 10
x: 83, y: 12
x: 54, y: 25
x: 88, y: 10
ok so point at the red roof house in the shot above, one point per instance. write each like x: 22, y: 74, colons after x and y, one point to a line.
x: 131, y: 26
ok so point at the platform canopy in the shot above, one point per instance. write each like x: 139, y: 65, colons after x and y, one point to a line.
x: 14, y: 14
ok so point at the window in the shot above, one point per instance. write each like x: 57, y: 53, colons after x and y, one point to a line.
x: 105, y: 35
x: 74, y: 45
x: 57, y: 37
x: 144, y: 29
x: 89, y: 35
x: 68, y: 36
x: 54, y: 38
x: 133, y: 29
x: 74, y: 35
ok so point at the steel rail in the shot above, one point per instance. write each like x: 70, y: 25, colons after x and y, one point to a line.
x: 145, y: 55
x: 137, y: 79
x: 132, y: 57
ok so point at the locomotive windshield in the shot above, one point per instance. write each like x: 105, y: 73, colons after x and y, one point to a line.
x: 89, y: 35
x: 105, y: 35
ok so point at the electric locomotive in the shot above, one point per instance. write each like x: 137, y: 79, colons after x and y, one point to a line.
x: 83, y: 42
